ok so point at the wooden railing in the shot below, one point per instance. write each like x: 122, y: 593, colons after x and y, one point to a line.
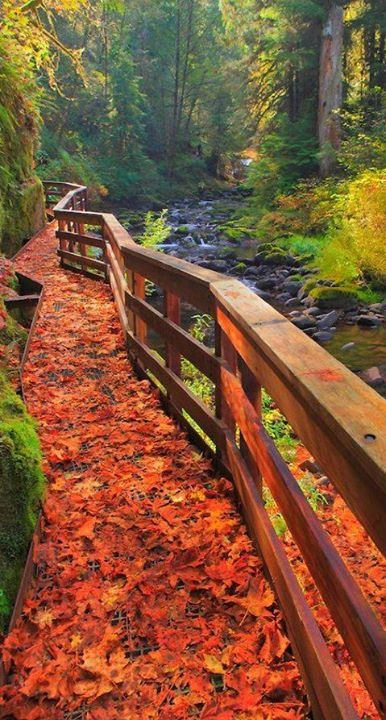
x: 337, y: 417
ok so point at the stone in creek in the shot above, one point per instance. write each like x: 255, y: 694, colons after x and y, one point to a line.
x: 303, y: 322
x: 263, y: 294
x: 292, y: 302
x: 295, y: 313
x: 372, y: 376
x: 266, y: 283
x: 378, y: 308
x: 323, y: 336
x: 368, y: 321
x: 217, y: 265
x: 327, y: 321
x: 348, y: 346
x: 252, y: 272
x: 291, y: 287
x: 314, y: 310
x: 283, y: 297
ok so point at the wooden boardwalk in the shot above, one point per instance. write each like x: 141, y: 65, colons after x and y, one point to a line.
x: 149, y: 601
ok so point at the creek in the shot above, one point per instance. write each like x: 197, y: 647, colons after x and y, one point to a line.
x: 197, y: 236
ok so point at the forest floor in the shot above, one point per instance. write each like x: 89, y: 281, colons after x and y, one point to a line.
x: 149, y: 600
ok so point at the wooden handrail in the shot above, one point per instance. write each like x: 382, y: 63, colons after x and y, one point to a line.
x: 338, y: 418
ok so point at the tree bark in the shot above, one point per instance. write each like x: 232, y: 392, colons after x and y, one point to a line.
x: 330, y: 89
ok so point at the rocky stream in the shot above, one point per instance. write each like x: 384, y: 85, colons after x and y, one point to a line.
x: 353, y: 332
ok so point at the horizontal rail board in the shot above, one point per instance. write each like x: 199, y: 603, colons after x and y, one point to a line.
x: 80, y: 216
x: 188, y: 346
x: 82, y: 239
x: 189, y: 402
x: 330, y: 409
x: 189, y: 282
x: 354, y: 618
x: 322, y: 678
x: 82, y: 259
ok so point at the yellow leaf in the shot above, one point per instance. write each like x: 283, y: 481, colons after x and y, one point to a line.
x: 213, y: 665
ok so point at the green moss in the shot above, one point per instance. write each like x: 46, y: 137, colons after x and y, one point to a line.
x: 12, y: 331
x: 240, y: 267
x: 334, y: 297
x: 22, y: 214
x: 276, y: 258
x: 21, y: 488
x: 310, y: 284
x: 182, y: 230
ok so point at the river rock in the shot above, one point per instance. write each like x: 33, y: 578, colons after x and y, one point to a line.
x: 291, y: 287
x: 322, y: 336
x: 292, y: 302
x: 283, y: 297
x: 266, y: 283
x: 368, y: 321
x: 263, y: 294
x: 372, y: 376
x: 217, y: 265
x: 252, y: 272
x: 303, y: 322
x: 314, y: 310
x: 327, y: 321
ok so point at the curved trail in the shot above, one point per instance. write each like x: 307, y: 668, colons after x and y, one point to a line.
x: 149, y: 600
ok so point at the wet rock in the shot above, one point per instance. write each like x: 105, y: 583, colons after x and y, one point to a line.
x: 314, y: 310
x: 303, y: 322
x: 292, y: 287
x: 323, y: 336
x: 368, y: 321
x: 252, y: 272
x: 263, y: 294
x: 217, y: 265
x: 266, y: 283
x: 372, y: 376
x: 292, y: 302
x: 295, y: 313
x: 327, y: 321
x: 283, y: 297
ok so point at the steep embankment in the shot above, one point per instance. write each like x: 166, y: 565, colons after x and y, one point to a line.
x: 21, y: 193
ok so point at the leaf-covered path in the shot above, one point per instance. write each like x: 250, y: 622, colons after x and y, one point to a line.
x: 149, y: 600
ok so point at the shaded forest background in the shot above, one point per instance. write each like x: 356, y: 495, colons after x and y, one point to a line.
x: 148, y: 101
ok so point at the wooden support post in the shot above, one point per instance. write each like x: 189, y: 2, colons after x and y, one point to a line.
x: 225, y: 350
x: 252, y: 390
x: 82, y: 246
x: 172, y: 312
x: 140, y: 327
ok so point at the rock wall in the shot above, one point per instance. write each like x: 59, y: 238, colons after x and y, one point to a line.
x: 22, y: 214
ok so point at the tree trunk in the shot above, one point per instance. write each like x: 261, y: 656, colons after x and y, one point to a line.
x: 330, y: 89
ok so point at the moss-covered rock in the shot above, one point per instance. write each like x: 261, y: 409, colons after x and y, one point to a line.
x: 22, y: 214
x: 334, y: 297
x: 21, y: 488
x: 277, y: 257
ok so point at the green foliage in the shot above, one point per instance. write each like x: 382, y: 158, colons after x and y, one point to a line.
x: 156, y: 230
x: 21, y: 488
x: 333, y: 297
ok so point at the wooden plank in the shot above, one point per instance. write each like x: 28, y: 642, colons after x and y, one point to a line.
x: 187, y: 345
x: 84, y: 239
x: 89, y: 262
x: 189, y: 282
x: 339, y: 418
x: 211, y: 426
x: 323, y: 683
x: 20, y: 300
x: 87, y: 218
x: 355, y: 620
x: 140, y: 327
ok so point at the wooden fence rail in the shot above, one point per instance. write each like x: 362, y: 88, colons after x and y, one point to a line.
x: 338, y: 418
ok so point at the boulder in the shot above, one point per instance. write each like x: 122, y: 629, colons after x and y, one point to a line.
x: 304, y: 322
x: 368, y: 321
x: 327, y: 321
x: 266, y: 283
x: 372, y: 376
x: 292, y: 287
x: 333, y: 297
x: 292, y: 302
x: 322, y: 336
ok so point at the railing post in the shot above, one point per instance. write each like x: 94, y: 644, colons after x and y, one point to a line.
x: 253, y: 392
x: 224, y: 350
x: 140, y: 327
x: 172, y: 312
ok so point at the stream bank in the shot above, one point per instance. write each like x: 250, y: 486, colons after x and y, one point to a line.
x: 355, y: 333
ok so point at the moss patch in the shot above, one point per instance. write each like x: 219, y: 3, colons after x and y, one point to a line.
x: 21, y: 488
x: 334, y: 297
x: 21, y: 215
